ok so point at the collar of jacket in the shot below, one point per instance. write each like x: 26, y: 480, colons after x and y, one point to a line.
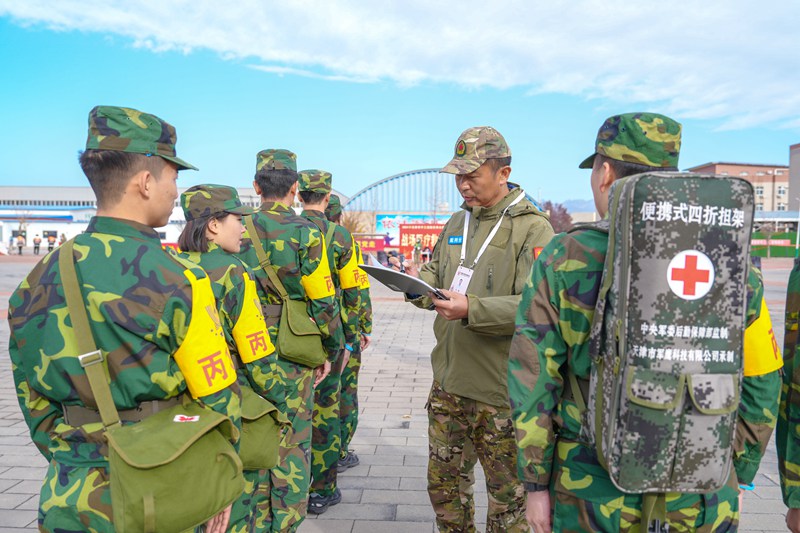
x: 313, y: 213
x: 275, y: 207
x: 488, y: 213
x: 123, y: 228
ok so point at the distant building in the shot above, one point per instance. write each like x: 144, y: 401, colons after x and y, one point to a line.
x: 794, y: 177
x: 770, y: 182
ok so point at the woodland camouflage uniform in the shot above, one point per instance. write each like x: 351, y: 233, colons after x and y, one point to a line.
x: 246, y: 332
x: 139, y: 300
x: 296, y: 250
x: 326, y: 434
x: 552, y: 338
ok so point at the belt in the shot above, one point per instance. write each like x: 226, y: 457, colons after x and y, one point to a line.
x: 271, y: 310
x: 78, y: 415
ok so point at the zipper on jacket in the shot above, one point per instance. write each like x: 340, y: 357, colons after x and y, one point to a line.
x: 489, y: 279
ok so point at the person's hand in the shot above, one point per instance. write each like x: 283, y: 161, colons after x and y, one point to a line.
x: 456, y: 308
x: 365, y: 342
x: 406, y: 267
x: 793, y: 520
x: 537, y: 511
x: 345, y: 359
x: 219, y: 522
x: 321, y: 371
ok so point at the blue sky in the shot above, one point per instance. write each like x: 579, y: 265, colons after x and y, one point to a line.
x: 370, y: 91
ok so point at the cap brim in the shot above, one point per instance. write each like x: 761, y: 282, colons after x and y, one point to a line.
x: 182, y: 165
x: 241, y: 210
x: 588, y: 162
x: 461, y: 166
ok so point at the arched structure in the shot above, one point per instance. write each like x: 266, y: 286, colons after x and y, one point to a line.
x: 418, y: 191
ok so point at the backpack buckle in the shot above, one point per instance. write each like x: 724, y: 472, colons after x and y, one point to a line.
x: 656, y: 526
x: 91, y: 358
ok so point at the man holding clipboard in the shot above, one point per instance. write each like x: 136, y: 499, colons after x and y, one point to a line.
x: 484, y: 255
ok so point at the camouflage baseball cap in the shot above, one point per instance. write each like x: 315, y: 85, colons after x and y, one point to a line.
x: 127, y: 130
x: 474, y: 147
x: 276, y: 159
x: 315, y: 181
x: 644, y: 138
x: 334, y: 208
x: 205, y: 200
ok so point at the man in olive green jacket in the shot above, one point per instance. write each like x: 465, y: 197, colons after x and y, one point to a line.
x: 485, y: 262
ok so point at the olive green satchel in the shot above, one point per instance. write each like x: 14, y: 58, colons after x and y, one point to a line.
x: 172, y: 471
x: 262, y: 431
x: 299, y: 338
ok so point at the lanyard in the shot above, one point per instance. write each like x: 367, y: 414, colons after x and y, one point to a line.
x: 491, y: 233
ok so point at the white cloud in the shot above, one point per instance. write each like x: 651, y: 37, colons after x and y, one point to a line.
x: 735, y: 61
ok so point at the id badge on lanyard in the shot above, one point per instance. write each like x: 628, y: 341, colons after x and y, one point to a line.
x: 463, y: 274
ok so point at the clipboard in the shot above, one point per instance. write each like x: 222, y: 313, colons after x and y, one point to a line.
x: 401, y: 282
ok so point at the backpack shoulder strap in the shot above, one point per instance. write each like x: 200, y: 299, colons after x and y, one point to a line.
x: 92, y: 359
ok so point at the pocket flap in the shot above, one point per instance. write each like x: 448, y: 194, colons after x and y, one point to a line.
x: 714, y: 394
x: 654, y: 389
x: 296, y: 313
x: 162, y: 437
x: 255, y: 406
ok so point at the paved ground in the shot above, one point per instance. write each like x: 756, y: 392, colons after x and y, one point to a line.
x: 386, y: 493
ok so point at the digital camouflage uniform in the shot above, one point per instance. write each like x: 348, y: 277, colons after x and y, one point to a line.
x: 140, y: 311
x: 240, y: 312
x: 787, y: 436
x: 348, y: 405
x: 296, y: 249
x: 552, y: 338
x: 468, y: 411
x: 326, y: 436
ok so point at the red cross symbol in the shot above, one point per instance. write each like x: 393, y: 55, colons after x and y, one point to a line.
x: 690, y: 275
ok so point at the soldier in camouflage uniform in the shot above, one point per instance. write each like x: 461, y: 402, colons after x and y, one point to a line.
x: 296, y: 250
x: 487, y: 248
x: 552, y: 338
x: 348, y: 405
x: 314, y: 191
x: 213, y: 232
x: 139, y: 299
x: 787, y: 436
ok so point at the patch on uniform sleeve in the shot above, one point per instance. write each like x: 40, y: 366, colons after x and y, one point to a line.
x: 319, y: 284
x: 250, y: 331
x: 455, y: 239
x: 761, y: 352
x: 536, y: 251
x: 203, y: 357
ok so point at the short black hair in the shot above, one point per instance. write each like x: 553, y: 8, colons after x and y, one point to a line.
x: 109, y: 171
x: 499, y: 162
x: 312, y: 197
x: 275, y: 183
x: 193, y: 237
x: 623, y: 169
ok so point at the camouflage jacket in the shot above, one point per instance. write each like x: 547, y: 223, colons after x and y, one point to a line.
x: 552, y: 338
x: 293, y: 245
x: 140, y: 312
x: 787, y: 436
x: 470, y: 358
x: 346, y: 275
x: 365, y: 318
x: 229, y: 279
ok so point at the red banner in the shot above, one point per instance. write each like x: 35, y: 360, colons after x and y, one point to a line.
x: 370, y: 244
x: 427, y: 234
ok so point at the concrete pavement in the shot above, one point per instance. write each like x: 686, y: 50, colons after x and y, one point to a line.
x: 386, y: 492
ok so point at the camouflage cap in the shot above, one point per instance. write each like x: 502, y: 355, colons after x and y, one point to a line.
x: 205, y: 200
x: 334, y: 208
x: 315, y: 181
x: 474, y: 147
x: 276, y: 159
x: 645, y: 138
x: 127, y: 130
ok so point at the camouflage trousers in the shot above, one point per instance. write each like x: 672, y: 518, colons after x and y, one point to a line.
x: 348, y: 403
x: 458, y: 425
x: 243, y: 513
x: 585, y: 500
x: 75, y: 498
x: 326, y: 438
x: 282, y: 501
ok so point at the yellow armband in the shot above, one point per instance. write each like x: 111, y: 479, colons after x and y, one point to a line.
x: 363, y: 277
x: 761, y: 352
x: 203, y: 356
x: 350, y: 274
x: 250, y: 331
x: 319, y: 284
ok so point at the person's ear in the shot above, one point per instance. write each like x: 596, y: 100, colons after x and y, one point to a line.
x: 505, y: 172
x: 256, y: 187
x: 142, y: 182
x: 213, y: 227
x: 607, y: 176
